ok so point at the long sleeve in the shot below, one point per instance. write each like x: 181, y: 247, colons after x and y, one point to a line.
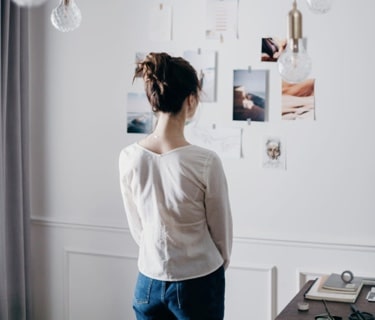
x: 131, y: 210
x: 218, y: 211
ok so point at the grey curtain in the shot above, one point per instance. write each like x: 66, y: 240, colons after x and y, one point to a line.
x: 14, y: 175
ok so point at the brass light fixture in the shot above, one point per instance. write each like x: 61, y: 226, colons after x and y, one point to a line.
x: 294, y: 63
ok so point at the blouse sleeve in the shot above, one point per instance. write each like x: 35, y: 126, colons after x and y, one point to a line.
x: 134, y: 221
x: 218, y: 211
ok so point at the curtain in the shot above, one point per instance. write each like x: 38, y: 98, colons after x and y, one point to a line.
x: 14, y: 171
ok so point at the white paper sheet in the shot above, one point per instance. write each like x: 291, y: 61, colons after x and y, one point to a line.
x: 222, y: 19
x: 226, y: 142
x: 160, y: 23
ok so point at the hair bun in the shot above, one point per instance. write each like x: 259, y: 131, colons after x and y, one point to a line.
x: 168, y: 81
x: 154, y: 70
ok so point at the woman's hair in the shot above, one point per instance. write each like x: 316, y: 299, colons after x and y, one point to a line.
x: 168, y: 81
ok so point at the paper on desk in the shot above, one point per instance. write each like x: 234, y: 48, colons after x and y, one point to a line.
x: 317, y: 292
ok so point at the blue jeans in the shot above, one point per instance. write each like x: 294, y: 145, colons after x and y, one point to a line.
x: 194, y: 299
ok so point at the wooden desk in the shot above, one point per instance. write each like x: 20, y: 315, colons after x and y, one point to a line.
x: 342, y: 309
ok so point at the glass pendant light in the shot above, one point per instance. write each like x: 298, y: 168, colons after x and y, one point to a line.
x: 28, y: 3
x: 66, y: 16
x: 319, y: 6
x: 294, y: 63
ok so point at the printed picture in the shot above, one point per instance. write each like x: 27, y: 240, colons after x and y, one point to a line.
x: 205, y: 65
x: 222, y: 19
x: 140, y: 118
x: 249, y: 94
x: 273, y: 153
x: 298, y: 100
x: 272, y: 49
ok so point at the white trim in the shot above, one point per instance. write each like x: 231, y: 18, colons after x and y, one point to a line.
x: 271, y: 282
x: 54, y: 223
x: 245, y: 240
x: 308, y: 244
x: 66, y: 275
x: 304, y: 276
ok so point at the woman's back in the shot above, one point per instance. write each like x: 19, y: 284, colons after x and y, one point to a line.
x: 170, y: 193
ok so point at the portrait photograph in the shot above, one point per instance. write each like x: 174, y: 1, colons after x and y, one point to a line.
x: 250, y: 95
x: 273, y: 153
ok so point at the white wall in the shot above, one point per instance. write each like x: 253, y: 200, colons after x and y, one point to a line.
x: 315, y: 217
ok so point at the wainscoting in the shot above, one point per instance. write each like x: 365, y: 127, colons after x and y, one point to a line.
x: 88, y: 272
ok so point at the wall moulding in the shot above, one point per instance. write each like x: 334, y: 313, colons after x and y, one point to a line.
x: 242, y: 276
x: 93, y: 280
x: 110, y: 227
x: 70, y: 224
x: 115, y: 274
x: 306, y: 244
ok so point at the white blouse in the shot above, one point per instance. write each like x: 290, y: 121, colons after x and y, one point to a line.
x: 178, y: 210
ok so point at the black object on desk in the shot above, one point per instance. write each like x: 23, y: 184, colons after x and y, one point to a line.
x: 316, y: 307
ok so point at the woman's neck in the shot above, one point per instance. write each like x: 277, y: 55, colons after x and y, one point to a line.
x: 168, y: 134
x: 169, y: 126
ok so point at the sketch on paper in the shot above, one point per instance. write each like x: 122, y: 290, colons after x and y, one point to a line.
x: 298, y: 100
x: 139, y: 115
x: 222, y: 19
x: 272, y: 48
x: 273, y: 153
x: 249, y: 94
x: 226, y: 142
x: 205, y: 65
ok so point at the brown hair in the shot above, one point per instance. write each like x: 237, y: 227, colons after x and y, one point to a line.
x: 168, y: 81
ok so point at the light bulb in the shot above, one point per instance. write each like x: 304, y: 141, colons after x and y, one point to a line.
x: 294, y: 62
x: 28, y: 3
x: 66, y: 16
x: 319, y: 6
x: 294, y: 66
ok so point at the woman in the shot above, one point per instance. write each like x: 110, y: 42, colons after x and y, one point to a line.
x: 176, y: 200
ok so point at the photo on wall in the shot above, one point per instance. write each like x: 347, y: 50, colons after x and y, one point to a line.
x: 222, y: 19
x: 140, y: 118
x: 272, y: 48
x: 250, y: 94
x: 273, y: 153
x: 204, y: 63
x: 298, y: 100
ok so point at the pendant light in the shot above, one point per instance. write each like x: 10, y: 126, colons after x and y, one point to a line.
x: 294, y: 63
x: 66, y: 16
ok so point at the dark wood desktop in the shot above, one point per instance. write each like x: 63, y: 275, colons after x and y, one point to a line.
x: 316, y: 307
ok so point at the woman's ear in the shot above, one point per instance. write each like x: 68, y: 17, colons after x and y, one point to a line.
x: 192, y: 103
x: 192, y: 100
